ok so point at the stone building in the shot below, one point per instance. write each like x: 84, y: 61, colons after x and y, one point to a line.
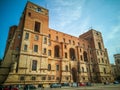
x: 36, y: 54
x: 117, y: 63
x: 114, y: 71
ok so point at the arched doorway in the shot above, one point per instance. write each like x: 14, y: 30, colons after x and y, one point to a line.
x: 74, y: 74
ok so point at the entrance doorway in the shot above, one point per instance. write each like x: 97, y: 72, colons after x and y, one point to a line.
x: 74, y: 74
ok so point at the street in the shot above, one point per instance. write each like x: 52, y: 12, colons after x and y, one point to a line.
x: 99, y: 87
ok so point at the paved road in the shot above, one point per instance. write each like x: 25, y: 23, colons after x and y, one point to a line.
x: 101, y: 87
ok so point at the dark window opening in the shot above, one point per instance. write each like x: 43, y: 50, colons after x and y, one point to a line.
x: 65, y: 55
x: 49, y: 52
x: 29, y: 14
x: 33, y: 78
x: 25, y: 47
x: 49, y: 67
x: 22, y: 78
x: 99, y: 45
x: 37, y: 27
x: 35, y: 48
x: 65, y: 46
x: 26, y: 36
x: 43, y: 78
x: 57, y: 78
x: 56, y: 38
x: 66, y: 68
x: 44, y: 52
x: 34, y: 65
x: 49, y: 35
x: 104, y: 70
x: 45, y: 40
x: 56, y: 51
x: 49, y: 78
x: 36, y: 37
x: 57, y: 67
x: 85, y: 56
x: 72, y: 54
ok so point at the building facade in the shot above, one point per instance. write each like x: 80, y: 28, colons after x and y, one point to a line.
x: 36, y: 54
x: 114, y: 71
x: 117, y: 63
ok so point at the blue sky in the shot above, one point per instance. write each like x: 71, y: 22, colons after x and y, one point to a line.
x: 69, y: 16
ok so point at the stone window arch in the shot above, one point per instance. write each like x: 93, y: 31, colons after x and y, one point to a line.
x: 57, y: 51
x: 85, y: 56
x: 72, y: 53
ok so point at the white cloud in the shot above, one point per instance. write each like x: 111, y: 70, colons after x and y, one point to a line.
x: 65, y: 13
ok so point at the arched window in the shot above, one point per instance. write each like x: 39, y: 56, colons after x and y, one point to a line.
x: 72, y: 53
x: 56, y: 51
x: 85, y: 56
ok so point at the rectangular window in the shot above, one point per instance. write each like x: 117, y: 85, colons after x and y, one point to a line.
x: 35, y: 48
x: 65, y: 46
x: 29, y: 14
x: 17, y: 48
x: 45, y: 40
x: 49, y: 67
x: 49, y: 36
x: 65, y: 55
x: 19, y: 36
x: 56, y: 38
x: 37, y: 26
x: 49, y: 78
x: 57, y: 67
x: 22, y: 78
x: 73, y: 42
x: 69, y: 41
x: 63, y: 39
x: 33, y: 78
x: 36, y: 37
x: 44, y: 51
x: 25, y: 47
x: 34, y: 65
x: 49, y: 52
x: 26, y: 36
x: 43, y: 78
x: 99, y: 45
x: 81, y: 57
x: 80, y: 50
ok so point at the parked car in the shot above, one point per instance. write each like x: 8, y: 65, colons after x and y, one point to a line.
x: 82, y: 84
x: 106, y: 83
x: 88, y: 84
x: 55, y: 85
x: 65, y: 84
x: 29, y: 86
x: 115, y: 82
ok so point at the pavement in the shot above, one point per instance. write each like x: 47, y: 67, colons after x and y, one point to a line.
x: 93, y: 87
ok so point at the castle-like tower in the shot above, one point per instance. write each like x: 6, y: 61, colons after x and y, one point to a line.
x: 36, y: 54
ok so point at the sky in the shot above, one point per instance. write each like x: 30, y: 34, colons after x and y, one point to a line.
x: 73, y: 17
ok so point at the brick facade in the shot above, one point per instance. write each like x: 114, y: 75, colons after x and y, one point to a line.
x: 36, y: 54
